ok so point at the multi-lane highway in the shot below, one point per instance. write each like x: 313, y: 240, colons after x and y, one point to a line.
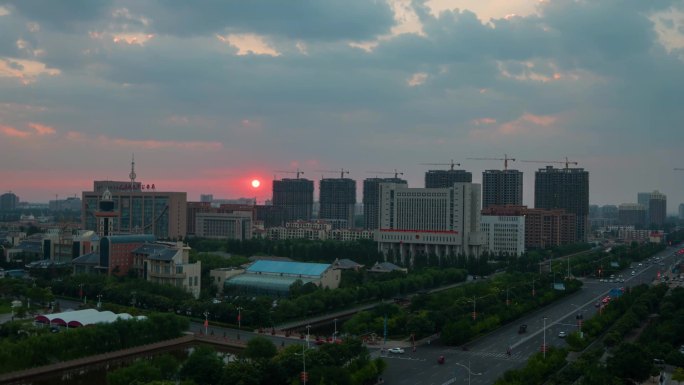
x: 487, y: 356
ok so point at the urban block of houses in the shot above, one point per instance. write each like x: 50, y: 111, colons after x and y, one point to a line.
x: 159, y: 262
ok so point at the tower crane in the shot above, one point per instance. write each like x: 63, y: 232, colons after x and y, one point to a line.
x: 505, y: 159
x: 396, y: 173
x: 298, y: 172
x: 451, y: 165
x: 341, y: 171
x: 567, y: 163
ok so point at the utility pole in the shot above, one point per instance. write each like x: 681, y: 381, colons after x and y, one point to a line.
x: 544, y: 345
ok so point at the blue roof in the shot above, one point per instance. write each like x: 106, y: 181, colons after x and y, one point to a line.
x: 87, y: 259
x: 293, y: 268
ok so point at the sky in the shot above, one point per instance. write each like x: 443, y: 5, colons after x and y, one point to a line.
x: 209, y: 95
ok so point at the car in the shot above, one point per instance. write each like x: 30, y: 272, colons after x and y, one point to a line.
x: 641, y: 264
x: 562, y: 334
x: 522, y: 329
x: 633, y: 272
x: 597, y: 304
x: 396, y: 350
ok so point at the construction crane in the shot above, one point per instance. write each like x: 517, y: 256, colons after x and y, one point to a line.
x: 451, y: 165
x: 396, y: 173
x: 505, y: 159
x: 341, y: 171
x: 298, y: 172
x: 567, y: 163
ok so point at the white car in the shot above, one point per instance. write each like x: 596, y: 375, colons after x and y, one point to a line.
x: 396, y: 350
x: 562, y: 334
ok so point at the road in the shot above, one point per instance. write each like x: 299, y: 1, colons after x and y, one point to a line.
x: 487, y: 355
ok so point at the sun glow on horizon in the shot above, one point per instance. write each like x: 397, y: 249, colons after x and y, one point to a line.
x: 256, y: 183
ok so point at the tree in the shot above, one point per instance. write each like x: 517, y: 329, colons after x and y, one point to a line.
x: 678, y: 375
x: 203, y: 366
x: 140, y: 372
x: 260, y: 349
x: 630, y: 361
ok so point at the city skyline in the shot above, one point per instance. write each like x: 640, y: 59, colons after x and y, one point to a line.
x: 212, y: 96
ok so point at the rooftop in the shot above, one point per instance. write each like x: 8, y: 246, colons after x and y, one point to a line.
x: 290, y: 268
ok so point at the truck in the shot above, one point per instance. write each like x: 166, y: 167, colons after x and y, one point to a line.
x: 616, y: 292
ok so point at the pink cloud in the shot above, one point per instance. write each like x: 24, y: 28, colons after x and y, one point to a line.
x: 42, y: 129
x: 484, y: 121
x: 526, y: 124
x: 13, y: 132
x: 159, y: 144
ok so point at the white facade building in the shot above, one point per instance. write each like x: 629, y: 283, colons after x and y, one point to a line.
x: 235, y: 225
x: 424, y: 221
x: 504, y: 234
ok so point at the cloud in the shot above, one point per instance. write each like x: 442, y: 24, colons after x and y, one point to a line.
x: 417, y: 79
x: 331, y: 20
x: 249, y: 44
x: 527, y: 125
x: 42, y: 129
x: 132, y: 38
x: 28, y: 71
x: 145, y: 144
x: 13, y: 132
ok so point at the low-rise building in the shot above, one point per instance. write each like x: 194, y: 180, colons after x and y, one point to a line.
x: 219, y: 276
x: 274, y: 278
x: 504, y: 235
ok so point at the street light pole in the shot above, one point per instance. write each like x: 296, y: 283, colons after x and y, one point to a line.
x: 468, y: 369
x: 206, y: 322
x: 335, y: 332
x: 99, y: 301
x: 544, y: 345
x: 239, y: 309
x: 308, y: 328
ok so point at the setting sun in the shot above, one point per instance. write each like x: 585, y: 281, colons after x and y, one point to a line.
x: 256, y: 183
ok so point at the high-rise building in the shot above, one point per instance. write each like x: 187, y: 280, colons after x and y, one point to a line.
x: 8, y: 201
x: 564, y: 188
x: 502, y: 187
x: 337, y: 200
x: 632, y: 214
x: 140, y: 209
x: 657, y: 208
x: 295, y: 197
x: 643, y: 199
x: 429, y: 221
x: 446, y: 178
x: 371, y: 199
x: 681, y: 211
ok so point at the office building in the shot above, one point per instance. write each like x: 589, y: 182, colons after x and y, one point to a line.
x: 224, y: 225
x: 371, y: 199
x: 337, y: 201
x: 567, y: 189
x: 295, y: 197
x: 446, y: 178
x: 632, y: 214
x: 504, y: 235
x: 657, y: 209
x: 502, y: 187
x: 643, y: 198
x: 417, y: 222
x: 543, y: 228
x: 8, y: 201
x: 139, y: 208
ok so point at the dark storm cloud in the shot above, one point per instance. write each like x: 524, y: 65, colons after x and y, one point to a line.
x: 71, y: 15
x: 299, y: 19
